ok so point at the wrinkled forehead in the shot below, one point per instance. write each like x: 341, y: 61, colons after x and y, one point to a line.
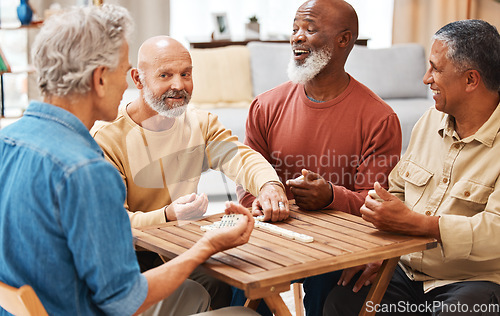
x: 166, y: 57
x: 310, y: 9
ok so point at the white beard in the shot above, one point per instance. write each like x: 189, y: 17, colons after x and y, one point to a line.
x: 159, y: 105
x: 314, y: 63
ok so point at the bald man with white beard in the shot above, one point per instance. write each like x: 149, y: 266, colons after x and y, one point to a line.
x: 161, y: 145
x: 329, y: 137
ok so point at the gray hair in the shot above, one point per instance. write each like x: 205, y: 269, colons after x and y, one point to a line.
x: 473, y: 44
x: 71, y: 45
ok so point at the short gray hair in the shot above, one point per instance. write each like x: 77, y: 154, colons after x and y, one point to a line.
x: 71, y: 45
x: 473, y: 44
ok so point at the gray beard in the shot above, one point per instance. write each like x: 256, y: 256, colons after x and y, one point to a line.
x: 314, y: 63
x: 159, y: 105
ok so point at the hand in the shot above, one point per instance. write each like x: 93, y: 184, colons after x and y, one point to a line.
x: 394, y: 216
x: 268, y: 203
x: 389, y: 215
x: 229, y: 237
x: 186, y: 207
x: 365, y: 279
x: 312, y: 192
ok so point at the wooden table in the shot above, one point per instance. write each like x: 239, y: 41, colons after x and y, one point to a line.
x: 267, y: 264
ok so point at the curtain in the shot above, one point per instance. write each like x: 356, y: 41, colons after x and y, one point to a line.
x: 415, y: 21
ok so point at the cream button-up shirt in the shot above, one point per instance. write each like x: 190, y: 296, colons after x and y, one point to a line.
x: 458, y: 180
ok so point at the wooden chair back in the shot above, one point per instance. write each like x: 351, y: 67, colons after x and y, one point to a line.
x: 21, y: 301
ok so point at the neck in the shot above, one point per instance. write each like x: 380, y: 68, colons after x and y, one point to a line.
x: 469, y: 122
x: 78, y: 105
x: 327, y: 85
x: 147, y: 118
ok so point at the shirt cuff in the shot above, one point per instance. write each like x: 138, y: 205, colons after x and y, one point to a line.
x: 330, y: 206
x: 273, y: 182
x: 139, y: 219
x: 131, y: 302
x: 456, y: 237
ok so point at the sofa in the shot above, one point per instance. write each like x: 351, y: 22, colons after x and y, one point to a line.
x: 226, y: 80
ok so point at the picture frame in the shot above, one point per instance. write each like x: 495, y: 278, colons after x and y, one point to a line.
x: 221, y: 25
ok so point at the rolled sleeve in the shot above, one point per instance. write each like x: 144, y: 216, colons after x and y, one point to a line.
x: 130, y: 303
x: 456, y: 236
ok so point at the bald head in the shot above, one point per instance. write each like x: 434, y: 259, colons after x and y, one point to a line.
x: 160, y: 47
x: 164, y: 75
x: 324, y: 32
x: 338, y: 14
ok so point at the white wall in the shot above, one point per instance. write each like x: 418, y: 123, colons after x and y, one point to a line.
x: 193, y: 18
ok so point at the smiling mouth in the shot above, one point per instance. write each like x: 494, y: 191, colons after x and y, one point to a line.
x: 301, y: 53
x: 434, y: 92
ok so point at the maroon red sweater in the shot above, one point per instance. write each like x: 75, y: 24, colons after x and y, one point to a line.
x: 352, y: 140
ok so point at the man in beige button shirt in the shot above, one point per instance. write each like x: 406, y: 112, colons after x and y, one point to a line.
x: 446, y: 186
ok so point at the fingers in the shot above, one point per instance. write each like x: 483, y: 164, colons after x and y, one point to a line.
x: 256, y: 209
x: 243, y: 227
x: 186, y: 198
x: 233, y: 208
x: 366, y: 213
x: 383, y: 193
x: 272, y: 202
x: 347, y: 275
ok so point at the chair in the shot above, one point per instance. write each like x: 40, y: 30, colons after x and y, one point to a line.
x: 21, y: 301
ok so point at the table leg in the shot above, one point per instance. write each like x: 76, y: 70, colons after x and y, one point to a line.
x: 276, y: 305
x: 253, y: 304
x: 380, y: 285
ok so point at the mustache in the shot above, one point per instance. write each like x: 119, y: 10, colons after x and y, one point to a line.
x: 171, y: 93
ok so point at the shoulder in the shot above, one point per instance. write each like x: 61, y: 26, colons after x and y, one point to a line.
x: 369, y: 100
x: 107, y: 133
x: 274, y: 99
x: 432, y: 118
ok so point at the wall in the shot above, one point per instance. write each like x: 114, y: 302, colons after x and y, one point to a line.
x: 489, y: 10
x: 192, y: 19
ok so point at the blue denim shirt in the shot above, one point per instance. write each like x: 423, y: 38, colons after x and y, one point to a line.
x: 63, y: 227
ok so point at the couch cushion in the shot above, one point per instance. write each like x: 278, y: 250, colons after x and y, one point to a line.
x: 268, y: 65
x: 221, y: 76
x: 409, y: 112
x: 394, y: 72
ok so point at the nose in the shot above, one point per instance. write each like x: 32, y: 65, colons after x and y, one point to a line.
x: 428, y: 79
x: 298, y: 37
x: 177, y: 83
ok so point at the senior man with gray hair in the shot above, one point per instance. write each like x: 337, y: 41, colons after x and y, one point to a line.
x: 64, y: 229
x: 446, y: 186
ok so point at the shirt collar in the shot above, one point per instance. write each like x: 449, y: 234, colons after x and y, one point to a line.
x: 54, y: 113
x: 485, y: 135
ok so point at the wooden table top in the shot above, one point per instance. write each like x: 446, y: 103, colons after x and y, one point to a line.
x: 268, y: 263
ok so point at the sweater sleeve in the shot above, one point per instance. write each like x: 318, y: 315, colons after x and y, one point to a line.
x: 236, y: 160
x: 381, y: 151
x: 255, y: 138
x: 112, y: 155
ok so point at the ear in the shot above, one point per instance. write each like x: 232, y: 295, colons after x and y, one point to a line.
x: 98, y: 79
x: 134, y: 73
x: 473, y: 78
x: 344, y: 38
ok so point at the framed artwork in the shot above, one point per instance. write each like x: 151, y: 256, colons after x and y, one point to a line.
x: 221, y: 26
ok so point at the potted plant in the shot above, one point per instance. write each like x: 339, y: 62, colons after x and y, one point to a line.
x: 252, y: 28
